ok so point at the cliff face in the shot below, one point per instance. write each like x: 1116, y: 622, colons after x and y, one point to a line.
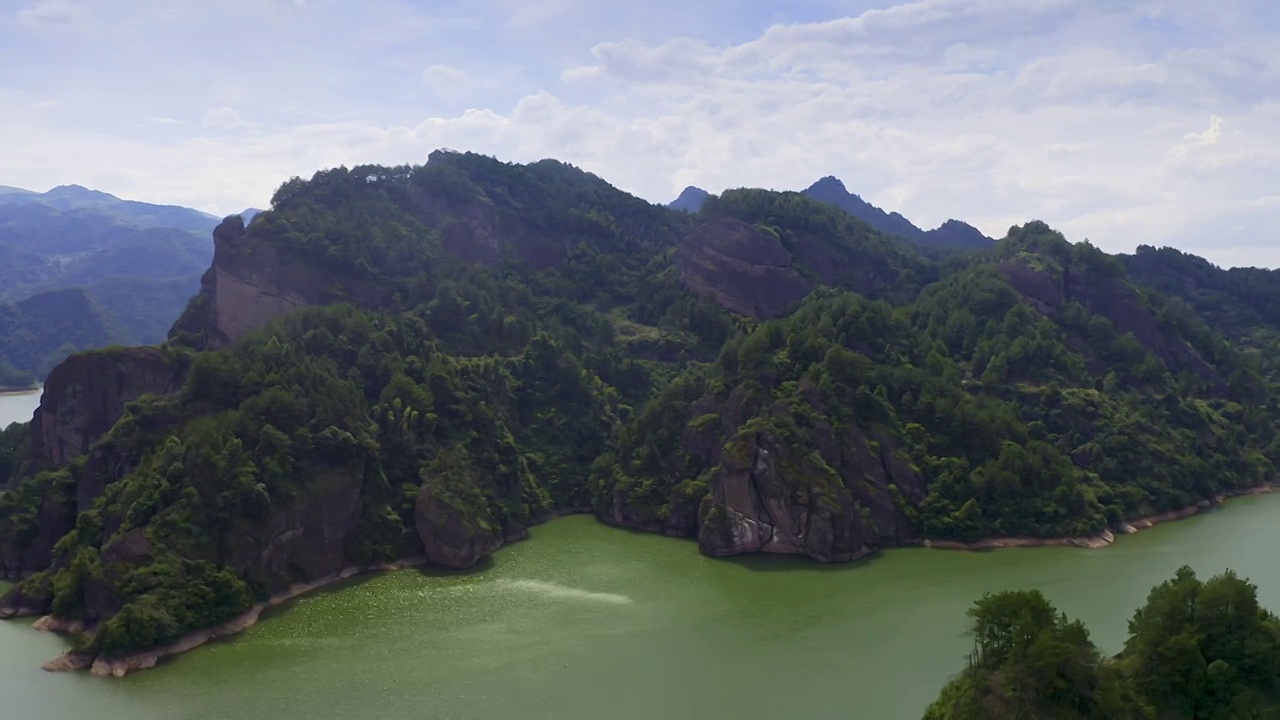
x: 251, y: 283
x: 774, y: 495
x: 86, y: 394
x: 744, y: 268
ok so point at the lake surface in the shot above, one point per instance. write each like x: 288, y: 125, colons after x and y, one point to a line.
x: 18, y: 407
x: 585, y: 621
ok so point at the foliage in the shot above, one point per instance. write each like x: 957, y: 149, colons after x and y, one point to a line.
x: 1196, y: 651
x: 526, y: 346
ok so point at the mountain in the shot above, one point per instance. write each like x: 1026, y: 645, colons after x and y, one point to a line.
x: 398, y: 363
x: 690, y: 200
x: 952, y: 234
x: 138, y: 263
x: 139, y: 214
x: 39, y: 331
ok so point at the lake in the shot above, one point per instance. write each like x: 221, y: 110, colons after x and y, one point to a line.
x: 18, y: 407
x: 586, y: 621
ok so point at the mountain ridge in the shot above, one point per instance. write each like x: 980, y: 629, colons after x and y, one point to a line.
x: 426, y: 360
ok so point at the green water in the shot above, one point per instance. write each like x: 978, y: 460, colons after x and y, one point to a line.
x: 584, y: 621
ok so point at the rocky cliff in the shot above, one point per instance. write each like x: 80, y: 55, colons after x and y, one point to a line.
x: 744, y: 267
x: 768, y: 495
x: 86, y: 394
x: 251, y: 283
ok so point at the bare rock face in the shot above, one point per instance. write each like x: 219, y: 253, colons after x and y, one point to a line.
x: 453, y: 536
x: 763, y: 499
x: 746, y: 269
x: 251, y: 284
x: 308, y: 539
x: 85, y: 395
x: 775, y: 497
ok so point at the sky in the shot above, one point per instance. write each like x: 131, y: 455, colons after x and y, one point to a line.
x: 1124, y: 122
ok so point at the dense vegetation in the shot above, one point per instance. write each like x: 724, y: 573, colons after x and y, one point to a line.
x: 39, y: 332
x: 1197, y: 650
x: 527, y: 345
x: 135, y: 264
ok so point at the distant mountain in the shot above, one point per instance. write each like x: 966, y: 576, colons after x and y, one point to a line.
x: 135, y: 264
x: 249, y: 214
x: 75, y: 197
x: 38, y: 332
x: 952, y: 234
x: 690, y: 200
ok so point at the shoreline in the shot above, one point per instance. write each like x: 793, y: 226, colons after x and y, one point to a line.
x: 28, y: 391
x: 1102, y: 539
x: 147, y: 659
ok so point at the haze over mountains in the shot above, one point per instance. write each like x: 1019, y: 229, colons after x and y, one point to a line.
x: 81, y: 268
x: 951, y: 235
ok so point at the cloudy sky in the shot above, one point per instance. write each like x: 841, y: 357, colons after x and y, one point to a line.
x: 1121, y: 121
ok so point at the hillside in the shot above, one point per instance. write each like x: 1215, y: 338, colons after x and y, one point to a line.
x: 138, y: 263
x: 408, y: 361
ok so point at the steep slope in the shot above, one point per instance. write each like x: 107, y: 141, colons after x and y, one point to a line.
x: 500, y: 343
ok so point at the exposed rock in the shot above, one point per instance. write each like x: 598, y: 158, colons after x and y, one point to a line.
x: 743, y: 267
x: 69, y: 662
x: 251, y: 283
x: 85, y: 395
x: 452, y: 538
x: 765, y: 499
x: 308, y: 539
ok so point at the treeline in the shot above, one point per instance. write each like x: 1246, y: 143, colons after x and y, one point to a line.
x: 1197, y: 650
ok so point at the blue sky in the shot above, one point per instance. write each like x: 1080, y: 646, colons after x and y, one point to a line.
x: 1121, y: 121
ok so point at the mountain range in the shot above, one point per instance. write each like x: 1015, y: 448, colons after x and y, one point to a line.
x: 81, y: 269
x: 951, y: 235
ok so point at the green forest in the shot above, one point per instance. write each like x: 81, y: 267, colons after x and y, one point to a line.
x: 1197, y: 650
x: 505, y: 343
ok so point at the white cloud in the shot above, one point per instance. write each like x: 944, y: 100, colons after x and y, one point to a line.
x: 446, y: 82
x: 1091, y: 116
x: 55, y: 14
x: 1208, y: 137
x: 223, y: 118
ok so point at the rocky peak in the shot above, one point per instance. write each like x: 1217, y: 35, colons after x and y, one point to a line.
x: 832, y: 191
x: 690, y: 200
